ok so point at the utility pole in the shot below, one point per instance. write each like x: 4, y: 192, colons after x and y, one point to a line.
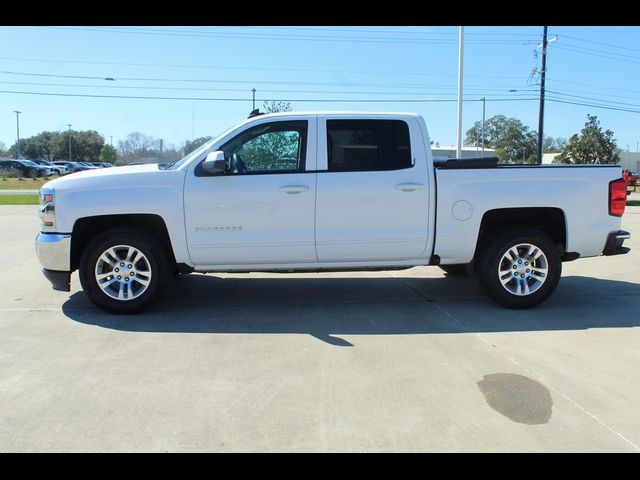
x: 160, y: 156
x: 69, y: 141
x: 18, y: 130
x: 111, y: 140
x: 460, y: 58
x: 542, y: 75
x: 253, y: 90
x: 483, y: 104
x: 524, y: 149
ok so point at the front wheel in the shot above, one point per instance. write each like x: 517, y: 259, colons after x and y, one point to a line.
x: 520, y: 267
x: 124, y: 270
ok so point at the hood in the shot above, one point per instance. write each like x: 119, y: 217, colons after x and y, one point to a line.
x: 102, y: 175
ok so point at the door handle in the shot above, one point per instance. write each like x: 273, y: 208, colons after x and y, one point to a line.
x: 291, y: 189
x: 409, y: 187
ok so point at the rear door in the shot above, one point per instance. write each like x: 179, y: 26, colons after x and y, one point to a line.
x: 372, y: 201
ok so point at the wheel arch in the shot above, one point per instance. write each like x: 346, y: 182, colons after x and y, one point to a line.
x: 86, y: 228
x: 550, y: 220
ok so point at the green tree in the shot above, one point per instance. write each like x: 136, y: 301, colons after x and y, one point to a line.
x: 592, y: 146
x: 108, y: 154
x: 274, y: 106
x: 554, y: 145
x: 512, y: 140
x: 191, y: 146
x: 273, y: 150
x: 85, y: 145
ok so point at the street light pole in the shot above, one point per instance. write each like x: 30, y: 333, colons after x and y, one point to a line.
x: 460, y: 58
x: 69, y: 141
x: 483, y: 102
x: 542, y: 75
x: 18, y: 130
x: 253, y: 90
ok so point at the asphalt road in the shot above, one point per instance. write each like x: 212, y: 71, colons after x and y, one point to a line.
x: 394, y: 361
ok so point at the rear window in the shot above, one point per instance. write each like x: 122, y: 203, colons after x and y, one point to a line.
x: 368, y: 145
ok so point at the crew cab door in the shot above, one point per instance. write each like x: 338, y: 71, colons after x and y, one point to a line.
x: 372, y: 199
x: 261, y: 209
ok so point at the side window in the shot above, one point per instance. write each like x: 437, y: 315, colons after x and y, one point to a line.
x: 268, y: 148
x: 356, y: 145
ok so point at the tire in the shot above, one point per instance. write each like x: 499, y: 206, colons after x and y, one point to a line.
x: 140, y: 285
x: 458, y: 270
x: 529, y: 244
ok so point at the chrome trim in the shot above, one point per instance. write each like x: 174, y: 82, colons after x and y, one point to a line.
x: 622, y: 235
x: 54, y: 251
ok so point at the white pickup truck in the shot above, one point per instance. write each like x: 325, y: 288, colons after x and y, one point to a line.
x: 325, y: 191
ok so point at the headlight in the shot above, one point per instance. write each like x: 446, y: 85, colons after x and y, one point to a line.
x: 47, y: 210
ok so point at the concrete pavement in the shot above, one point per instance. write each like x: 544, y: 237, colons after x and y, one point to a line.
x: 392, y: 361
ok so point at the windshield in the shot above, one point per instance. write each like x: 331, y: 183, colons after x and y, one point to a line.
x: 187, y: 158
x: 29, y: 162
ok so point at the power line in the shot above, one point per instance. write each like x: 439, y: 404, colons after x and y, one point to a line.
x: 257, y: 68
x: 584, y: 40
x: 592, y: 105
x: 200, y: 80
x: 138, y: 87
x: 300, y: 100
x: 595, y: 99
x: 340, y: 29
x: 265, y: 36
x: 604, y: 87
x: 593, y: 54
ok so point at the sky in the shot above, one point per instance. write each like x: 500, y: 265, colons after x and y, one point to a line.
x: 202, y: 77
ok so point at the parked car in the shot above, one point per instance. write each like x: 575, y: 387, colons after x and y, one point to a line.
x: 24, y: 168
x: 57, y: 169
x: 88, y: 166
x: 46, y: 171
x: 343, y: 191
x: 101, y: 164
x: 72, y: 167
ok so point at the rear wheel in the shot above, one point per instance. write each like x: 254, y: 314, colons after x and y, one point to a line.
x: 520, y: 267
x: 457, y: 270
x: 124, y: 270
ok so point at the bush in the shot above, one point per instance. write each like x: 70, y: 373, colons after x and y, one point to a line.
x: 10, y: 173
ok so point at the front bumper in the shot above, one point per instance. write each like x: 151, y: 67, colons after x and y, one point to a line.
x: 614, y: 243
x: 54, y: 253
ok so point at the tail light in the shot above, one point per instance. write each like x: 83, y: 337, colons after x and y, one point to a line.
x: 617, y: 197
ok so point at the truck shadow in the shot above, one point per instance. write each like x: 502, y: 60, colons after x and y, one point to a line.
x: 327, y: 307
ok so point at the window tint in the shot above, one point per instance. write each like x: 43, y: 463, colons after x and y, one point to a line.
x: 355, y: 145
x: 268, y: 148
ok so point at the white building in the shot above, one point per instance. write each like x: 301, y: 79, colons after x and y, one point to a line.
x: 444, y: 153
x: 628, y: 160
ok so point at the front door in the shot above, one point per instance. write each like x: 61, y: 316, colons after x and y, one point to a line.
x: 261, y: 209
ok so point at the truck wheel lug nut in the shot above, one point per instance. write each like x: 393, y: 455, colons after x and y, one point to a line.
x: 519, y: 261
x: 522, y: 275
x: 119, y: 277
x: 528, y: 270
x: 126, y: 279
x: 514, y: 267
x: 129, y: 266
x: 122, y: 264
x: 117, y: 269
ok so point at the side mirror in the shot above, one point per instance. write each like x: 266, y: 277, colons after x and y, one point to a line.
x: 214, y: 163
